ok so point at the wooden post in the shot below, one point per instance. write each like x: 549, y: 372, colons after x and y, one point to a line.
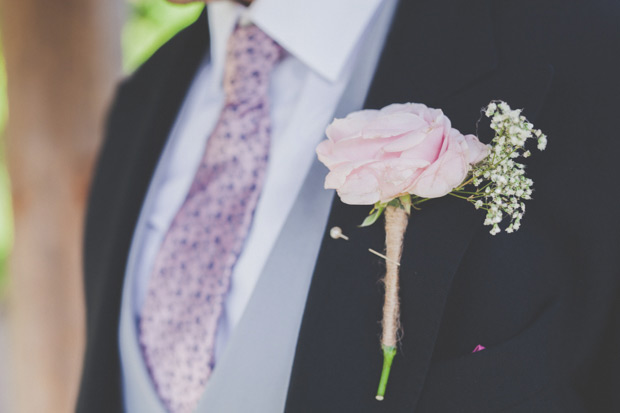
x: 62, y: 58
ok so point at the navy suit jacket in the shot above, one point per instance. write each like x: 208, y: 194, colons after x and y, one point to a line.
x: 543, y: 301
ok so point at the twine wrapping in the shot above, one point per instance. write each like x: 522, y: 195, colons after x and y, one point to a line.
x: 395, y: 225
x: 396, y: 220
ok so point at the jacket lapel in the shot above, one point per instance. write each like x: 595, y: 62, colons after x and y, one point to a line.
x: 167, y: 94
x: 449, y: 62
x: 164, y: 97
x: 435, y: 47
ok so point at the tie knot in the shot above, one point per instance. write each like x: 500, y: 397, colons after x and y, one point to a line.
x: 251, y: 55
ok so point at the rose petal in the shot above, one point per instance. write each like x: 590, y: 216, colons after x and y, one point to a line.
x: 476, y: 150
x: 351, y: 126
x: 339, y: 174
x: 429, y: 149
x: 445, y: 174
x: 361, y: 188
x: 407, y: 141
x: 393, y: 125
x: 415, y: 108
x: 353, y: 150
x: 395, y: 175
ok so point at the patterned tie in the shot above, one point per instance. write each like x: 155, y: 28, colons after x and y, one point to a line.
x: 191, y: 273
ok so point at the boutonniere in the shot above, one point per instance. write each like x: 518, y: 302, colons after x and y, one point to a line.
x: 403, y: 155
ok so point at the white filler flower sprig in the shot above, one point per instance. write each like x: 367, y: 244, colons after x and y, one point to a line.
x: 403, y: 155
x: 499, y: 182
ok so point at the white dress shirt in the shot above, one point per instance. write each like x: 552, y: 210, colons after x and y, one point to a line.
x: 324, y: 40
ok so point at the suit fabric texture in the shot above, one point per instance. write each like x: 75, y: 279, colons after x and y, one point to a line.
x: 543, y: 301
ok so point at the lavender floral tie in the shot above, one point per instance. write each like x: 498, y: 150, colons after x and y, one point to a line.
x: 191, y: 273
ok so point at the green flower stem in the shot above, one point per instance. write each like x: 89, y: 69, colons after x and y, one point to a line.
x: 458, y: 196
x: 388, y: 357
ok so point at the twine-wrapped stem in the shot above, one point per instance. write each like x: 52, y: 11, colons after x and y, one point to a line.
x: 396, y: 220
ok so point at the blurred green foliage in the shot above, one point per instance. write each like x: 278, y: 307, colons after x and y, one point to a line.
x: 150, y: 24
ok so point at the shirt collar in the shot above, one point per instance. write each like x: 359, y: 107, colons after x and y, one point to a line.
x: 320, y: 33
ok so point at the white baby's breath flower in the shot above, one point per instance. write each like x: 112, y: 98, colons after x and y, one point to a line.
x: 500, y: 181
x: 491, y: 109
x: 542, y: 142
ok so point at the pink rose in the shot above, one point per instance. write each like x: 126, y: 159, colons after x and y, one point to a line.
x: 378, y: 155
